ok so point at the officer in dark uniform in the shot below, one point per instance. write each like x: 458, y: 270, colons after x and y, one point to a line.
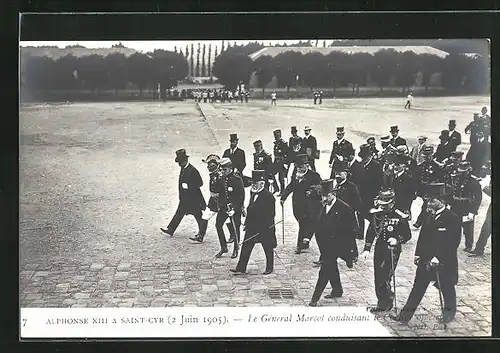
x: 342, y: 151
x: 467, y: 197
x: 402, y: 152
x: 388, y: 226
x: 429, y: 172
x: 348, y: 192
x: 231, y: 200
x: 310, y: 145
x: 259, y: 224
x: 235, y: 154
x: 474, y: 126
x: 396, y: 140
x: 435, y: 255
x: 455, y: 138
x: 373, y: 146
x: 305, y: 200
x: 405, y: 190
x: 335, y: 232
x: 191, y: 199
x: 479, y: 154
x: 449, y: 167
x: 294, y: 146
x: 280, y: 152
x: 367, y: 175
x: 444, y: 148
x: 264, y: 161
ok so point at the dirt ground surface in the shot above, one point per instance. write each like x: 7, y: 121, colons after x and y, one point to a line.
x: 98, y: 180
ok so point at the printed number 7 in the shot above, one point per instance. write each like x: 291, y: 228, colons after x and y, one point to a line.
x: 24, y: 322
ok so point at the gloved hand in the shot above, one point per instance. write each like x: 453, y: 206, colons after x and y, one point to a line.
x: 434, y: 262
x: 364, y: 255
x: 392, y: 241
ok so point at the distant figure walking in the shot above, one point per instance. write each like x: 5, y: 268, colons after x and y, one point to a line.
x: 273, y: 98
x: 409, y: 101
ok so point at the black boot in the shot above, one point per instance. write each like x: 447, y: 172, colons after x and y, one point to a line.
x: 220, y: 253
x: 235, y: 252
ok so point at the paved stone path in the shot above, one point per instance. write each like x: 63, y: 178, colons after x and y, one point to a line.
x: 142, y: 267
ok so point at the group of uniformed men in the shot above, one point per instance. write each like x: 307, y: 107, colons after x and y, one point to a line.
x: 214, y: 95
x: 379, y: 187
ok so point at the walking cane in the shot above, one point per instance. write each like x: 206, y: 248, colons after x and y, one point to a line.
x: 283, y: 222
x: 391, y: 249
x: 440, y: 296
x: 236, y: 241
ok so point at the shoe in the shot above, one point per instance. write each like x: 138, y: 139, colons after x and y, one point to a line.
x: 475, y: 253
x: 313, y: 303
x: 235, y: 271
x: 319, y: 262
x: 220, y: 253
x: 469, y: 250
x: 298, y: 251
x: 231, y: 240
x: 416, y: 225
x: 399, y: 318
x: 166, y: 231
x: 378, y: 309
x: 267, y: 272
x: 235, y: 254
x: 333, y: 295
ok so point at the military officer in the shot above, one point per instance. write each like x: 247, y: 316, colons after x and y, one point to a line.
x: 479, y: 154
x: 429, y: 172
x: 191, y: 199
x: 474, y: 126
x: 444, y: 148
x: 259, y: 224
x: 388, y: 226
x: 405, y: 190
x: 373, y: 146
x: 436, y: 259
x: 396, y: 140
x: 305, y: 200
x: 367, y: 175
x: 348, y: 192
x: 467, y: 197
x: 450, y: 166
x: 264, y: 161
x: 280, y: 152
x: 231, y: 204
x: 235, y: 154
x: 310, y: 145
x: 335, y: 232
x: 455, y: 138
x: 342, y: 151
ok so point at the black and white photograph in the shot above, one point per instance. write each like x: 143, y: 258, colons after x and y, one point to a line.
x: 310, y: 174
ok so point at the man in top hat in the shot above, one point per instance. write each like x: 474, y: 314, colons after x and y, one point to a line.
x: 264, y: 161
x: 405, y: 190
x: 235, y: 154
x: 485, y: 229
x: 305, y: 200
x: 417, y: 151
x: 466, y: 199
x: 259, y: 224
x: 348, y: 192
x: 191, y: 201
x: 435, y: 258
x: 310, y: 145
x: 231, y: 205
x: 429, y: 172
x: 367, y: 175
x: 280, y: 152
x: 455, y: 138
x: 373, y: 146
x: 396, y: 140
x: 342, y: 151
x: 335, y: 231
x: 388, y: 225
x: 444, y: 148
x: 479, y: 154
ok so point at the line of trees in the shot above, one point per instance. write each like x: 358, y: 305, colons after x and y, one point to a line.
x: 96, y: 72
x: 387, y: 67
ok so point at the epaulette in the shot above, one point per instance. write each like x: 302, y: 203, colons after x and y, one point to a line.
x: 401, y: 214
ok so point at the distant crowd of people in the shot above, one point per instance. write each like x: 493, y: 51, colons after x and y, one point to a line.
x: 219, y: 95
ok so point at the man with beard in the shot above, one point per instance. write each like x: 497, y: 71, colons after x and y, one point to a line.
x: 396, y: 140
x: 367, y: 175
x: 235, y: 154
x: 436, y: 259
x: 388, y: 226
x: 280, y: 158
x: 479, y: 154
x: 466, y: 199
x: 264, y: 161
x: 191, y: 199
x: 259, y: 224
x: 305, y: 200
x: 429, y: 172
x: 342, y: 151
x: 348, y: 192
x: 405, y: 190
x: 215, y: 179
x: 455, y: 138
x: 231, y: 199
x: 335, y: 232
x: 311, y: 147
